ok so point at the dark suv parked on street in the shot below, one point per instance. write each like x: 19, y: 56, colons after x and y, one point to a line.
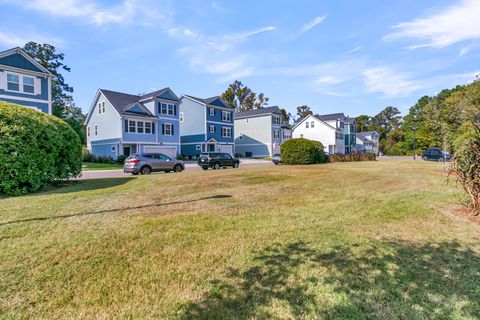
x: 217, y: 161
x: 436, y: 154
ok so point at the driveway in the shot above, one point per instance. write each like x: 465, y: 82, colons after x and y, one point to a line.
x: 189, y: 166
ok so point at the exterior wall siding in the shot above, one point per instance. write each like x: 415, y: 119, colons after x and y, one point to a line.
x: 108, y: 123
x: 320, y: 132
x: 254, y: 133
x: 41, y: 106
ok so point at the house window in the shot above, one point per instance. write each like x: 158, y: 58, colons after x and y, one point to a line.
x: 131, y: 126
x: 276, y: 134
x: 13, y: 82
x: 212, y: 112
x: 312, y: 124
x: 212, y: 129
x: 139, y: 127
x: 163, y: 108
x: 226, y: 132
x: 103, y: 107
x: 171, y: 109
x: 96, y: 130
x: 306, y: 124
x: 226, y: 116
x: 198, y: 147
x: 301, y: 135
x: 114, y: 148
x: 28, y: 85
x: 148, y: 127
x: 276, y: 121
x: 181, y: 117
x: 168, y: 129
x: 88, y: 131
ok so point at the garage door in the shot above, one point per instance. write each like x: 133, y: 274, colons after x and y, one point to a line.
x: 226, y: 148
x: 169, y: 151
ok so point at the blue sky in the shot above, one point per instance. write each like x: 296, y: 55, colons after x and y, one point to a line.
x: 351, y: 56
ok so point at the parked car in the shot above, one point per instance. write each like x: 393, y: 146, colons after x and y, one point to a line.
x: 276, y: 159
x: 217, y: 161
x: 147, y: 163
x: 436, y: 154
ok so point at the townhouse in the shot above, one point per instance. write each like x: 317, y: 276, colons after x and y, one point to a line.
x: 206, y: 125
x: 122, y: 124
x: 260, y: 132
x: 368, y: 141
x: 335, y: 131
x: 24, y: 81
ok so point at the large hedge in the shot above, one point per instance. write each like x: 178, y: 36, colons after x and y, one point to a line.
x: 36, y: 149
x: 302, y: 151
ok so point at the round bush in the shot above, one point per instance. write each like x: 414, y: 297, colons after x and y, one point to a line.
x: 302, y: 151
x: 36, y: 149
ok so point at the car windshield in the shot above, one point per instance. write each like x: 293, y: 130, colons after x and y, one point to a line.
x: 276, y: 155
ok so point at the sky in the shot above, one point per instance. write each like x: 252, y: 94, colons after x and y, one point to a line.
x: 349, y: 56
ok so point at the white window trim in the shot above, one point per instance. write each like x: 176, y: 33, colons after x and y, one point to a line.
x: 95, y: 129
x: 212, y: 127
x: 212, y: 112
x: 20, y: 83
x: 226, y: 116
x: 136, y: 126
x: 198, y: 147
x: 165, y: 129
x: 88, y: 131
x: 114, y: 148
x: 225, y: 130
x: 307, y: 124
x: 181, y: 117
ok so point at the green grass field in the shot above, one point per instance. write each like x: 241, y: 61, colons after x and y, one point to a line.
x: 368, y: 240
x: 87, y: 166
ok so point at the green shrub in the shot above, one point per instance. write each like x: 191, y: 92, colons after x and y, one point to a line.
x: 302, y: 151
x: 121, y: 159
x: 36, y: 149
x: 181, y: 157
x: 239, y: 155
x: 369, y: 156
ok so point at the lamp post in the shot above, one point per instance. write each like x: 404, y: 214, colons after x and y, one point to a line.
x: 414, y: 145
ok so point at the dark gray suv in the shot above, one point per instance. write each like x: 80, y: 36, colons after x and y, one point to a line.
x: 146, y: 163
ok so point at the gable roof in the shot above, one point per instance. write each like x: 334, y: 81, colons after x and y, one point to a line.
x: 120, y: 100
x: 330, y: 117
x: 363, y: 135
x: 257, y: 112
x: 165, y: 93
x: 22, y: 53
x: 316, y: 118
x: 209, y: 101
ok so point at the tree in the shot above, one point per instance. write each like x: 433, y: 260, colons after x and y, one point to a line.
x: 62, y: 100
x: 303, y: 111
x: 363, y: 123
x: 285, y: 116
x: 241, y: 98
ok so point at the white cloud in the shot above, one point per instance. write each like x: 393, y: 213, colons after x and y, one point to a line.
x: 313, y: 23
x: 391, y: 83
x: 219, y: 55
x: 353, y: 50
x: 91, y: 12
x: 464, y: 51
x: 454, y: 24
x: 9, y: 39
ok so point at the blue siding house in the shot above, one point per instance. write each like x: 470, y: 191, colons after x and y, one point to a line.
x: 24, y: 81
x: 122, y: 124
x: 206, y: 125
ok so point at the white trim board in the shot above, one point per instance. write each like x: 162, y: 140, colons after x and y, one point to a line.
x: 23, y: 99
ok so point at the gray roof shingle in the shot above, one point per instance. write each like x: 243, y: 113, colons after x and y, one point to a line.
x: 257, y: 112
x: 330, y: 117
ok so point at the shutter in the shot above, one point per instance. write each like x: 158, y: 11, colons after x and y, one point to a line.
x: 174, y: 109
x: 173, y: 133
x: 3, y: 80
x: 126, y: 125
x: 37, y: 86
x: 163, y: 128
x: 153, y: 127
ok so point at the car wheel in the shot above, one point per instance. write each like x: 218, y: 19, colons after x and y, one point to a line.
x: 146, y: 170
x: 177, y: 168
x: 135, y: 173
x: 205, y: 168
x: 216, y: 166
x: 275, y: 163
x: 167, y: 171
x: 235, y: 165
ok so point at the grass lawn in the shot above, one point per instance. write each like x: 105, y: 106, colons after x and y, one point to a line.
x: 368, y: 240
x: 87, y: 166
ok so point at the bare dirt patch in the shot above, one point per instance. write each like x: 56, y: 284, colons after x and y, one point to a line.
x: 461, y: 212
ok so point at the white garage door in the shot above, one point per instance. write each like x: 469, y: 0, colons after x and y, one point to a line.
x: 226, y: 148
x: 169, y: 151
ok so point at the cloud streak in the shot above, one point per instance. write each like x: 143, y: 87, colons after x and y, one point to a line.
x: 312, y: 24
x: 454, y: 24
x: 9, y: 39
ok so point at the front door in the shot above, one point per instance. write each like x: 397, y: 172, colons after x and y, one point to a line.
x: 211, y: 147
x: 126, y: 151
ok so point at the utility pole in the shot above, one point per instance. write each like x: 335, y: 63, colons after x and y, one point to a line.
x: 414, y: 145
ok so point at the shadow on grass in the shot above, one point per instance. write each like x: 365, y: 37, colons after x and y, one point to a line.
x: 220, y: 196
x: 387, y: 280
x: 87, y: 185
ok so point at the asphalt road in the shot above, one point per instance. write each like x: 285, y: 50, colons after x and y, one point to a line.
x: 99, y: 174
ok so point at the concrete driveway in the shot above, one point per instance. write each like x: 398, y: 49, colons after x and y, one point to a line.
x: 189, y: 166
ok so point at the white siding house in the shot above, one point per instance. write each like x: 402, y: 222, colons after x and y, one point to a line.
x: 315, y: 129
